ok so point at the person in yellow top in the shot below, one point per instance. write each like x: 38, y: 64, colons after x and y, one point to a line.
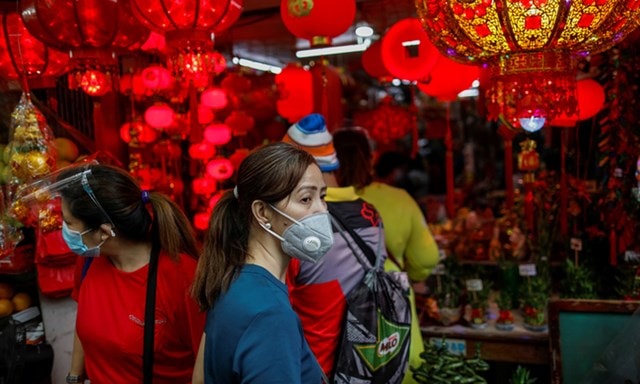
x: 407, y: 236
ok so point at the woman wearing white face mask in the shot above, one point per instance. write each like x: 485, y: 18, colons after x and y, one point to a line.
x: 277, y: 211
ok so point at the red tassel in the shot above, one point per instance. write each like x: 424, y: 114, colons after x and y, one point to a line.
x: 613, y: 253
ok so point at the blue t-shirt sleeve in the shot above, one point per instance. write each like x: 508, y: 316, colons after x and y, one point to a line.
x: 270, y: 350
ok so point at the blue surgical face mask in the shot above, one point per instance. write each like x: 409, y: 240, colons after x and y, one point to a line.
x: 76, y: 244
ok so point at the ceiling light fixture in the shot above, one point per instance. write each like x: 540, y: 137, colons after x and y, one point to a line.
x: 256, y: 65
x: 335, y: 50
x: 364, y: 31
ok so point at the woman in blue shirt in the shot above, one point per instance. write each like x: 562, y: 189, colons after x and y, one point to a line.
x: 275, y: 212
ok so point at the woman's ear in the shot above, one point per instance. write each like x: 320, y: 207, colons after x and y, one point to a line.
x: 108, y: 229
x: 261, y: 211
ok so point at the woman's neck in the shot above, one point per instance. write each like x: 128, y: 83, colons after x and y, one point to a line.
x: 128, y: 256
x: 266, y: 252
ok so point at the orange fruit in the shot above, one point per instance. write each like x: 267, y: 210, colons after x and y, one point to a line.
x: 6, y: 307
x: 6, y: 291
x: 21, y: 301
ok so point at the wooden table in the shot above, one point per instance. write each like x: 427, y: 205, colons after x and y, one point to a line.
x: 517, y: 346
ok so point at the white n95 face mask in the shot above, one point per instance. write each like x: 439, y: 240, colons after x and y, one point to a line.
x: 307, y: 239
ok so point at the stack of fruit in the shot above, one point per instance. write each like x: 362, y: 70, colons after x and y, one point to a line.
x: 12, y: 302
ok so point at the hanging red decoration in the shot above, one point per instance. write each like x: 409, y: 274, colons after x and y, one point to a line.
x: 373, y: 65
x: 218, y: 134
x: 73, y: 26
x: 205, y: 115
x: 214, y: 98
x: 235, y: 83
x: 214, y: 200
x: 167, y: 149
x: 327, y: 93
x: 317, y: 21
x: 295, y: 95
x: 156, y: 78
x: 387, y: 123
x: 201, y: 220
x: 23, y: 56
x: 202, y: 151
x: 448, y: 78
x: 159, y: 116
x: 136, y: 132
x: 94, y: 82
x: 188, y: 27
x: 407, y: 52
x: 591, y: 97
x: 239, y: 122
x: 220, y: 169
x: 155, y: 43
x: 237, y: 156
x: 204, y: 186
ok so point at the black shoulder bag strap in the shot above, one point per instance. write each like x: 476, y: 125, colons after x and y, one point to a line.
x: 361, y: 244
x: 149, y: 315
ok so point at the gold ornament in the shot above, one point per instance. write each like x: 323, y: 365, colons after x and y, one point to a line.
x: 300, y: 8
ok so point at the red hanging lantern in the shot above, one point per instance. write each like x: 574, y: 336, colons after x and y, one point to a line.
x: 235, y: 83
x: 204, y: 186
x: 205, y: 115
x: 220, y: 169
x: 167, y: 149
x: 136, y: 132
x: 22, y: 55
x: 93, y: 42
x: 214, y: 98
x: 448, y: 78
x: 239, y: 122
x: 591, y: 97
x: 317, y: 21
x: 156, y: 78
x: 372, y: 63
x: 327, y: 93
x: 188, y: 27
x: 387, y: 123
x: 407, y: 52
x: 202, y: 151
x: 214, y: 200
x: 94, y: 82
x: 155, y: 43
x: 201, y: 220
x: 159, y: 116
x: 237, y: 156
x: 218, y: 134
x: 528, y: 158
x: 295, y: 92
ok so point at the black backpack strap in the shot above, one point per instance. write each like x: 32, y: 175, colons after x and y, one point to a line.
x: 358, y: 240
x: 149, y: 315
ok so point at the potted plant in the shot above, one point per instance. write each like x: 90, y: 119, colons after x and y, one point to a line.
x: 522, y: 376
x: 478, y: 301
x: 505, y: 315
x: 534, y: 303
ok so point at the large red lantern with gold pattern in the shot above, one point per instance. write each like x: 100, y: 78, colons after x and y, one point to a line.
x: 93, y: 32
x: 24, y: 56
x: 317, y: 20
x: 529, y: 44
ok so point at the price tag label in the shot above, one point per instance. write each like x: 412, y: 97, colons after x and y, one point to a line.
x: 474, y: 285
x: 454, y: 346
x: 576, y: 244
x: 439, y: 270
x: 527, y: 269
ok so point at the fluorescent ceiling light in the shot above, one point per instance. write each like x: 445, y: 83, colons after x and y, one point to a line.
x: 257, y: 65
x: 334, y: 50
x: 410, y: 43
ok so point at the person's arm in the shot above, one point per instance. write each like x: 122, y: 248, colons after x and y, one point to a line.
x: 421, y: 254
x: 77, y: 359
x: 198, y: 368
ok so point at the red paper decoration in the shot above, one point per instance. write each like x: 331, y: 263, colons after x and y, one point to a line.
x: 94, y: 82
x: 239, y: 122
x: 448, y: 78
x: 317, y: 21
x: 136, y: 132
x: 21, y: 54
x: 591, y: 97
x: 204, y: 186
x: 201, y: 220
x: 218, y: 134
x: 386, y: 123
x: 156, y: 78
x: 159, y: 116
x: 407, y: 52
x: 295, y: 92
x: 202, y: 151
x: 214, y: 98
x: 372, y: 62
x: 220, y: 169
x: 327, y: 93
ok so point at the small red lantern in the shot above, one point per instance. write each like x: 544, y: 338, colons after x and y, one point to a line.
x: 295, y: 92
x: 137, y: 132
x: 372, y: 62
x: 214, y: 98
x: 407, y: 52
x: 591, y: 97
x: 214, y: 200
x: 204, y: 186
x: 159, y: 116
x: 202, y: 151
x: 21, y: 54
x: 239, y: 122
x: 387, y: 123
x: 317, y: 21
x: 218, y: 134
x: 205, y: 114
x: 235, y: 83
x: 201, y: 220
x: 448, y: 78
x: 167, y: 149
x: 95, y: 83
x: 237, y: 156
x: 528, y: 158
x: 156, y: 78
x: 220, y: 169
